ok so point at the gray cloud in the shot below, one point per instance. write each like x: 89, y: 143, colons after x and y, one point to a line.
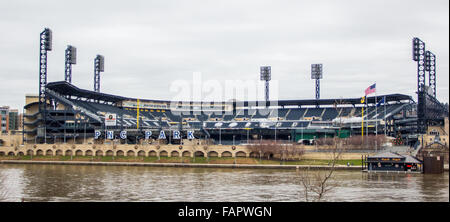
x: 149, y: 44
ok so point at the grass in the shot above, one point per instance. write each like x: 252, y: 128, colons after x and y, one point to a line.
x: 201, y: 160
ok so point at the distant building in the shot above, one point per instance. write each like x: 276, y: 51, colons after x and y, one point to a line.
x: 436, y: 141
x: 390, y: 161
x: 11, y: 119
x: 437, y: 133
x: 14, y: 119
x: 4, y: 119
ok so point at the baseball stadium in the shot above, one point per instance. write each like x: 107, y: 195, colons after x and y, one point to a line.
x: 63, y: 113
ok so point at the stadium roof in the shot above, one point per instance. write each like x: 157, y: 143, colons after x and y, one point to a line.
x: 341, y: 101
x: 65, y: 88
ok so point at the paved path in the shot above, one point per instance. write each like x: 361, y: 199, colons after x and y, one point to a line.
x: 196, y: 165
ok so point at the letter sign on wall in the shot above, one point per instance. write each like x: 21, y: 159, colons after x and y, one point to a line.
x: 176, y: 134
x: 162, y: 135
x: 110, y: 135
x: 190, y: 135
x: 97, y: 134
x: 123, y: 135
x: 148, y: 134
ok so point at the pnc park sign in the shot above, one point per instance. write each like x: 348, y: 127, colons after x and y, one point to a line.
x: 162, y: 134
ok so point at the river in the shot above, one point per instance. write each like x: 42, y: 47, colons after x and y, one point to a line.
x: 33, y: 182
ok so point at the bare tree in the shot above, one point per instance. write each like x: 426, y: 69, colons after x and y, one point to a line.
x: 277, y: 148
x: 317, y: 184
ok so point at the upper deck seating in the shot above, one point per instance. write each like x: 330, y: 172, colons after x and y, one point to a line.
x: 317, y: 112
x: 330, y: 114
x: 295, y: 114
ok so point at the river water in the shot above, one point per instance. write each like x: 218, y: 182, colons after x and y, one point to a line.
x: 33, y: 182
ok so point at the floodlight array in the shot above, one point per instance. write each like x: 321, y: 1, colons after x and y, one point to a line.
x: 99, y: 66
x: 71, y: 58
x: 430, y: 67
x: 265, y: 72
x: 316, y: 71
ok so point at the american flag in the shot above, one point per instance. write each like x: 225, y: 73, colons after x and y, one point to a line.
x: 371, y: 89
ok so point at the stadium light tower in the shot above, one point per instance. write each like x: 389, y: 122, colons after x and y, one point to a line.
x: 99, y: 66
x: 45, y: 45
x: 265, y: 72
x: 419, y: 57
x: 71, y: 58
x: 316, y: 73
x: 430, y: 67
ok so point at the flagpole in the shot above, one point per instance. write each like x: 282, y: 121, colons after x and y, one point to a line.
x: 362, y: 119
x: 385, y: 116
x: 367, y: 122
x: 376, y: 117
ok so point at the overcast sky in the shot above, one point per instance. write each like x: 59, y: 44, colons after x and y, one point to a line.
x: 149, y: 44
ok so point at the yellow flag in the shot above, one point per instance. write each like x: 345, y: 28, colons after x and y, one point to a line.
x: 363, y: 99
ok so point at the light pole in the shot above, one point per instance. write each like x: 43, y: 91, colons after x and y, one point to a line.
x: 170, y: 138
x: 302, y: 134
x: 247, y: 134
x: 315, y: 142
x: 233, y: 139
x: 84, y: 132
x: 275, y: 133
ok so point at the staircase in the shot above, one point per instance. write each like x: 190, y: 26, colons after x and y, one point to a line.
x: 67, y: 102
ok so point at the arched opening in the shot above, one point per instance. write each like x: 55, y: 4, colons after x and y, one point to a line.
x: 99, y: 153
x: 152, y: 153
x: 11, y: 153
x: 49, y: 153
x: 78, y: 153
x: 199, y: 154
x: 141, y: 153
x: 20, y: 154
x: 186, y: 154
x: 130, y: 153
x: 109, y: 153
x: 88, y: 153
x: 163, y: 153
x: 59, y: 152
x: 174, y: 154
x: 2, y: 153
x: 39, y: 153
x: 119, y: 153
x: 226, y: 154
x: 29, y: 152
x: 68, y: 152
x: 268, y: 156
x: 213, y: 154
x: 241, y: 154
x: 254, y: 155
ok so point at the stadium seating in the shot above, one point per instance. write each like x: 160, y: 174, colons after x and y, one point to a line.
x: 330, y: 114
x: 289, y: 118
x: 311, y: 112
x: 295, y: 114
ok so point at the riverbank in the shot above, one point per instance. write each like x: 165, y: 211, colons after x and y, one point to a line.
x: 200, y: 160
x: 191, y: 165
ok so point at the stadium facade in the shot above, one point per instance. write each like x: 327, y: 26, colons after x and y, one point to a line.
x: 78, y: 113
x: 61, y: 112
